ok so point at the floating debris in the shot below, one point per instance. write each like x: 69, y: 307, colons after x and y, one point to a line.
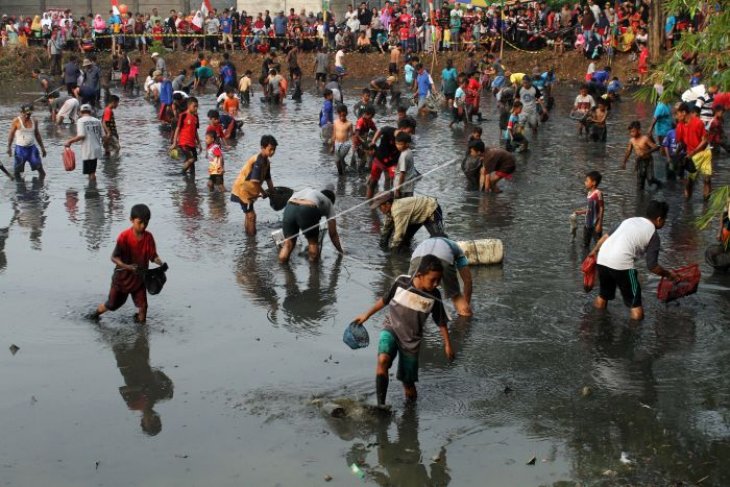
x: 586, y: 391
x: 625, y: 458
x: 532, y: 461
x: 357, y: 471
x: 14, y: 349
x: 328, y: 478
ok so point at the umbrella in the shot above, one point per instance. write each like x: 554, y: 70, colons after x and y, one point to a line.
x: 474, y: 3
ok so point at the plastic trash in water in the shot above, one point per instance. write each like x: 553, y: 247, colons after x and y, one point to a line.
x: 357, y: 471
x: 356, y: 336
x: 573, y: 224
x: 625, y: 458
x: 278, y: 237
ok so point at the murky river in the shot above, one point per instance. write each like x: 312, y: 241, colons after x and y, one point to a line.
x: 217, y: 389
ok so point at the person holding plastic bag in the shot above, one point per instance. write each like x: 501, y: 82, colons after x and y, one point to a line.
x: 617, y: 250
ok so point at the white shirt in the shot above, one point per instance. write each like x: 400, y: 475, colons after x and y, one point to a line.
x: 90, y: 128
x: 339, y: 58
x: 626, y: 244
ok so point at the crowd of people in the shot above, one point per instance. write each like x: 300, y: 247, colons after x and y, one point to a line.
x: 594, y: 28
x: 686, y: 134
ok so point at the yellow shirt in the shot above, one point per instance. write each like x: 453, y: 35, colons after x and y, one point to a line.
x: 244, y: 84
x: 256, y: 170
x: 516, y: 78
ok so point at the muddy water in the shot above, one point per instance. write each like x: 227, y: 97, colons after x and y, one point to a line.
x: 218, y: 389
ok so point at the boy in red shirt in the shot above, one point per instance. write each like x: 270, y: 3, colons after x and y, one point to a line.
x: 111, y: 137
x: 361, y: 149
x: 186, y: 135
x: 134, y: 251
x: 157, y: 31
x: 215, y: 126
x: 716, y: 132
x: 692, y: 134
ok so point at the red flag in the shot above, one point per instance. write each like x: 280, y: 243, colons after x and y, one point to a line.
x: 115, y: 7
x: 206, y: 7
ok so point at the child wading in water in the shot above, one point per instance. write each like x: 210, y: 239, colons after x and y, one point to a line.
x: 341, y: 134
x: 247, y: 187
x: 643, y: 146
x: 593, y: 229
x: 134, y: 251
x: 215, y: 162
x: 410, y: 301
x: 186, y: 135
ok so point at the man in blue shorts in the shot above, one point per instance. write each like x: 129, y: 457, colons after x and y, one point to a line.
x: 24, y: 131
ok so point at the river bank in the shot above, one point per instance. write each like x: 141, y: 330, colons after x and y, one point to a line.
x: 570, y: 66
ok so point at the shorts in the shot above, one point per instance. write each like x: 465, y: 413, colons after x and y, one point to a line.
x: 703, y: 164
x: 392, y: 68
x: 422, y: 102
x: 111, y: 143
x: 340, y: 70
x: 246, y: 207
x: 407, y: 362
x: 189, y: 152
x: 123, y: 80
x: 503, y: 174
x: 590, y: 234
x: 498, y: 82
x: 89, y: 166
x: 531, y: 119
x: 342, y: 149
x: 627, y: 282
x: 216, y: 179
x: 29, y: 154
x: 301, y: 217
x: 227, y: 38
x: 378, y: 168
x: 326, y: 133
x: 117, y: 298
x: 321, y: 77
x: 449, y: 278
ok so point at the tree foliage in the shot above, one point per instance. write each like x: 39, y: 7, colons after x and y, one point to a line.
x: 710, y: 43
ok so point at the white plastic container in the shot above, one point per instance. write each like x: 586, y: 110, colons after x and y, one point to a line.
x: 483, y: 252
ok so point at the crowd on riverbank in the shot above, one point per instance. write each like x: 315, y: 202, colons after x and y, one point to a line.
x: 593, y: 28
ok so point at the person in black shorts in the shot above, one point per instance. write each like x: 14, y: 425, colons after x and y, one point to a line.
x: 618, y: 249
x: 303, y: 212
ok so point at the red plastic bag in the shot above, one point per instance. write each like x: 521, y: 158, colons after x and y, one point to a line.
x: 590, y: 271
x: 689, y: 280
x: 69, y: 159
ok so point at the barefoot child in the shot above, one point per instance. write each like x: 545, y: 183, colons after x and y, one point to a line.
x: 643, y: 147
x: 326, y: 119
x: 515, y: 129
x: 497, y: 164
x: 410, y: 301
x: 247, y: 187
x: 215, y: 162
x: 583, y: 105
x: 134, y: 251
x: 186, y: 135
x: 593, y: 229
x: 406, y: 170
x: 111, y: 137
x: 341, y: 134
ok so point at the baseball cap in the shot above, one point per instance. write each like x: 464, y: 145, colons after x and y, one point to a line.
x: 85, y: 108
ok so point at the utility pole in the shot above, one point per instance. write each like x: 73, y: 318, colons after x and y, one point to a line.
x: 656, y: 30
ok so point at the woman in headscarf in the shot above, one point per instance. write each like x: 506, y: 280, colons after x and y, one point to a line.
x: 99, y: 24
x: 36, y: 29
x: 11, y: 28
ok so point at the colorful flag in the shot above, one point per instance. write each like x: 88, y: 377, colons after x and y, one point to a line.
x: 115, y: 7
x: 205, y: 8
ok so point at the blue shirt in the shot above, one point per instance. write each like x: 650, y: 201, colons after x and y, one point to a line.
x: 600, y: 77
x: 614, y: 86
x: 670, y: 142
x: 226, y: 25
x: 424, y: 83
x: 663, y: 116
x: 669, y: 25
x: 327, y: 114
x: 280, y: 25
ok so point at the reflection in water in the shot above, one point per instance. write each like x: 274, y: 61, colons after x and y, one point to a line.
x: 315, y: 304
x: 188, y: 202
x: 4, y: 232
x: 257, y: 279
x: 93, y: 224
x: 400, y: 460
x: 29, y: 206
x: 144, y: 386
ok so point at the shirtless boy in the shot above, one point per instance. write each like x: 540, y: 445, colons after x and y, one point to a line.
x: 341, y: 133
x: 643, y: 147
